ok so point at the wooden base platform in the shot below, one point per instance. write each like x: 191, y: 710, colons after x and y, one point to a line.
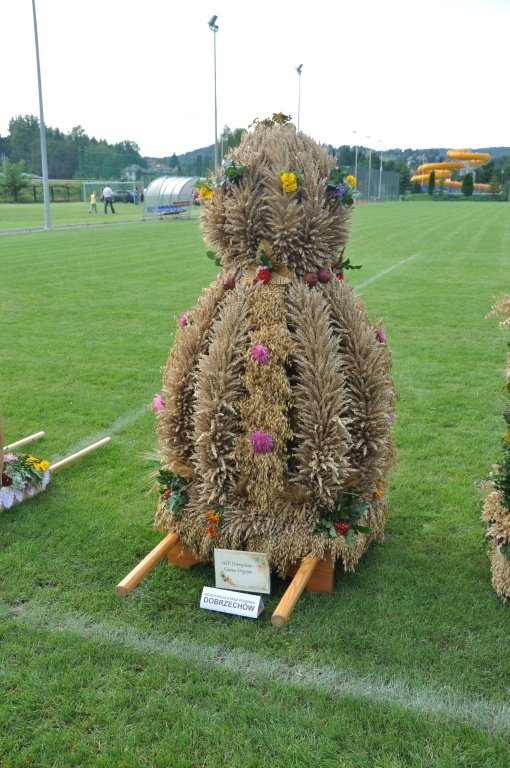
x: 312, y: 573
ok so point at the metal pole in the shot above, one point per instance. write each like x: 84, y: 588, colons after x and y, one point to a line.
x: 369, y: 172
x: 380, y: 179
x: 214, y: 28
x: 298, y: 70
x: 216, y: 162
x: 42, y: 128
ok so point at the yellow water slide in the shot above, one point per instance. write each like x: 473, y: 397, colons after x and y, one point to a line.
x: 461, y: 160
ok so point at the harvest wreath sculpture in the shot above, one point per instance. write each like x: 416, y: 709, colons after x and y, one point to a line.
x: 277, y: 399
x: 496, y: 508
x: 275, y: 416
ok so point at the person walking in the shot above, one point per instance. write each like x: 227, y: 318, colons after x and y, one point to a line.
x: 108, y: 199
x: 93, y: 203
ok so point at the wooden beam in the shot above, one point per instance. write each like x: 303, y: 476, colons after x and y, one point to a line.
x: 23, y: 440
x: 294, y: 590
x: 74, y: 456
x: 149, y: 562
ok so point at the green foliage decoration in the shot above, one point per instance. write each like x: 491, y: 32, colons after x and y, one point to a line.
x: 343, y: 518
x: 173, y: 491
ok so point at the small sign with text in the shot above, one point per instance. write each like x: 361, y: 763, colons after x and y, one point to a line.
x: 231, y: 602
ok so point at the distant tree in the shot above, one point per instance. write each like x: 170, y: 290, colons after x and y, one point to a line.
x: 485, y: 172
x: 467, y: 185
x: 13, y: 179
x: 494, y: 185
x: 432, y: 183
x: 25, y: 141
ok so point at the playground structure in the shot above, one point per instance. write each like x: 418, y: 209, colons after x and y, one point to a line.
x: 462, y: 160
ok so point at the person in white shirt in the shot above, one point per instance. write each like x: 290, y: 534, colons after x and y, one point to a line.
x: 108, y: 199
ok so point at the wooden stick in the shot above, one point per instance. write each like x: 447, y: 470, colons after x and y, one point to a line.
x: 149, y: 562
x: 23, y: 440
x: 294, y: 590
x: 77, y: 455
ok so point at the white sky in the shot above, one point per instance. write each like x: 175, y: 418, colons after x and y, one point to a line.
x: 406, y: 73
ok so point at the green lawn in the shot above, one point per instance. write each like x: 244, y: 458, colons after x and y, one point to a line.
x: 406, y: 665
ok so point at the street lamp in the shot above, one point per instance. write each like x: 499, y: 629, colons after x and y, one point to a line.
x: 356, y: 159
x: 42, y: 128
x: 380, y: 174
x: 214, y: 28
x: 298, y: 70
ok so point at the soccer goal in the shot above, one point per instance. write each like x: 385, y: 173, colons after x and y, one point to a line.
x: 97, y: 186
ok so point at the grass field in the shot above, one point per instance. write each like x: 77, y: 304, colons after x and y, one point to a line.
x: 405, y: 666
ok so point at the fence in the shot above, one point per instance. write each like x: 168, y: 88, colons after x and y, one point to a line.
x: 374, y: 185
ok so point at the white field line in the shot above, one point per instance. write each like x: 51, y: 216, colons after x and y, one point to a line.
x: 118, y: 424
x: 386, y: 271
x: 484, y: 715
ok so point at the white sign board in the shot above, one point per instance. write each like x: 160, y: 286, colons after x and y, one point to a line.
x: 245, y: 571
x: 231, y: 602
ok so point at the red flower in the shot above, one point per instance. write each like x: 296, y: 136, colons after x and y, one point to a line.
x: 6, y: 480
x: 211, y: 530
x: 341, y: 528
x: 264, y: 274
x: 340, y: 275
x: 166, y: 494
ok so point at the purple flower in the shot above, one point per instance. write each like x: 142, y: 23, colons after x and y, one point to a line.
x: 157, y: 403
x: 260, y: 353
x: 340, y: 190
x: 185, y: 319
x: 380, y: 335
x: 261, y: 442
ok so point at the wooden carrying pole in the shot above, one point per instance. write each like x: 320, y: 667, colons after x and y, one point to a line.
x: 23, y: 440
x: 294, y: 590
x: 149, y: 562
x: 73, y: 456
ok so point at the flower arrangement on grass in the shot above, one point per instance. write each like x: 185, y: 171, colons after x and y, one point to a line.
x: 343, y: 519
x: 22, y: 476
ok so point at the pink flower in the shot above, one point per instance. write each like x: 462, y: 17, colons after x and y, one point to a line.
x: 380, y: 335
x: 260, y: 353
x: 9, y: 456
x: 185, y: 319
x: 157, y: 403
x: 261, y: 442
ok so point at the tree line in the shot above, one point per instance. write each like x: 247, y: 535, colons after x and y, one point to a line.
x: 75, y: 155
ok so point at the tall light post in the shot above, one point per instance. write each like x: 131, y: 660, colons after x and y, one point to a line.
x: 42, y: 128
x: 380, y: 174
x: 298, y: 70
x: 356, y: 158
x: 214, y: 28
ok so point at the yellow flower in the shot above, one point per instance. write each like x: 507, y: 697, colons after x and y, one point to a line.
x: 206, y: 193
x: 42, y: 465
x: 289, y: 181
x: 351, y: 180
x: 32, y: 460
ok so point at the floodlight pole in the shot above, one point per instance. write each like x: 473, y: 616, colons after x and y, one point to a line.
x: 42, y: 128
x: 214, y: 28
x: 298, y: 70
x: 380, y: 175
x: 356, y: 158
